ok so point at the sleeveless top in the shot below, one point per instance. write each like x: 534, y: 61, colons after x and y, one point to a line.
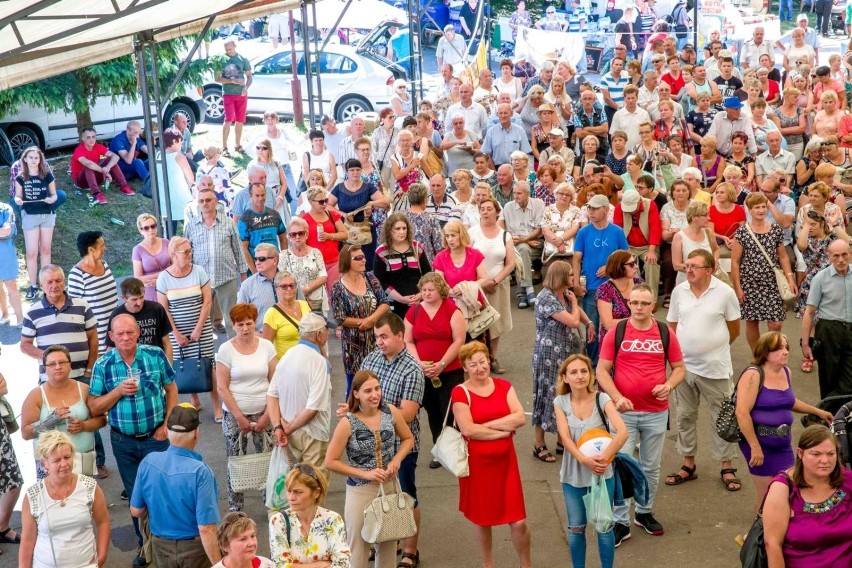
x: 320, y: 162
x: 365, y: 445
x: 790, y: 121
x: 688, y: 245
x: 73, y: 537
x: 573, y: 472
x: 710, y: 174
x: 179, y: 192
x: 83, y: 441
x: 494, y: 250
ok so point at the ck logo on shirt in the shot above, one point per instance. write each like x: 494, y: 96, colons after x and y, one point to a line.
x: 600, y: 243
x: 642, y: 346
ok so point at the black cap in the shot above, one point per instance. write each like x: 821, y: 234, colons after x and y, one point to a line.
x: 184, y: 418
x: 688, y: 47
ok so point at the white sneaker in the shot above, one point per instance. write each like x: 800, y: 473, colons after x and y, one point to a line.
x: 4, y: 320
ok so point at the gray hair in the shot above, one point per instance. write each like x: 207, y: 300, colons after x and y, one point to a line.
x: 268, y: 247
x: 523, y: 186
x: 48, y: 269
x: 547, y: 66
x: 282, y: 275
x: 298, y: 221
x: 255, y: 169
x: 417, y: 194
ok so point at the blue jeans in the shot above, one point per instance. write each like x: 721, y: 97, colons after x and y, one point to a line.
x: 136, y: 168
x: 591, y: 308
x: 577, y: 519
x: 785, y: 6
x: 128, y: 453
x: 650, y: 428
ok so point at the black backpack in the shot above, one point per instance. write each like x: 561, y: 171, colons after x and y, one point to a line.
x: 842, y: 428
x: 621, y: 327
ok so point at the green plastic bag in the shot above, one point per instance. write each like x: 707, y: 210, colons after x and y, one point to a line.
x: 599, y: 506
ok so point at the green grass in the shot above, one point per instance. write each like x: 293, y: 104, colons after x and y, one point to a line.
x: 76, y: 216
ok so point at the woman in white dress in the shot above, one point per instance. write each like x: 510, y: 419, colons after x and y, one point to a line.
x: 179, y: 174
x: 319, y: 158
x: 64, y: 516
x: 696, y: 235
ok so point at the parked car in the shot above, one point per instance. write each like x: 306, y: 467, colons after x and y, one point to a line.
x: 352, y: 80
x: 32, y: 126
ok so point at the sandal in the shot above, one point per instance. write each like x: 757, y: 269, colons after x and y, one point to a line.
x: 541, y: 453
x: 415, y: 560
x: 10, y: 540
x: 560, y: 449
x: 496, y: 368
x: 732, y: 483
x: 676, y: 478
x: 666, y: 303
x: 807, y: 365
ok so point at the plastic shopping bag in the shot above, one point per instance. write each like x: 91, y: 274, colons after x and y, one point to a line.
x: 276, y: 492
x: 598, y: 506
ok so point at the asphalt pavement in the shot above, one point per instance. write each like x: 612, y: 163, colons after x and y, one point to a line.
x: 701, y: 518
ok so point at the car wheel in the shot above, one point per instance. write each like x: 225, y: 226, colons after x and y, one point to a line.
x: 21, y: 138
x: 349, y: 107
x: 180, y: 108
x: 214, y: 111
x: 7, y: 156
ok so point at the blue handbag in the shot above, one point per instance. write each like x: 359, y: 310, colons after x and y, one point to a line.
x: 193, y: 374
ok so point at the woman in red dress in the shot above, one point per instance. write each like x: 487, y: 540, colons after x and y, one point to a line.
x: 488, y: 413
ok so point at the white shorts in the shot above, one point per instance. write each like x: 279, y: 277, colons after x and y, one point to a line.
x: 278, y: 26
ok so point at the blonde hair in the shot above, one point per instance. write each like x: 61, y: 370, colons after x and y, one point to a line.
x: 51, y: 441
x: 455, y: 226
x: 141, y: 219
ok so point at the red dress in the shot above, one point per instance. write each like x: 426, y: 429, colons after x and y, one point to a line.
x: 492, y: 494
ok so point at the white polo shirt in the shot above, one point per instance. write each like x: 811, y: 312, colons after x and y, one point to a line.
x: 702, y: 329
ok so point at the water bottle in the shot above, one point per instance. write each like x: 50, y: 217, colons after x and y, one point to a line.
x: 320, y: 232
x: 583, y: 280
x: 106, y: 185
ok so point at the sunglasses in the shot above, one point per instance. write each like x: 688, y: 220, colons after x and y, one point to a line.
x: 321, y: 201
x: 263, y: 258
x: 148, y: 227
x: 261, y: 148
x: 359, y: 257
x: 295, y: 234
x: 815, y: 215
x: 307, y: 469
x: 286, y: 286
x: 631, y: 264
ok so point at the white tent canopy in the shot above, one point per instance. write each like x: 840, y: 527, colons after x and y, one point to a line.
x: 362, y: 14
x: 44, y: 38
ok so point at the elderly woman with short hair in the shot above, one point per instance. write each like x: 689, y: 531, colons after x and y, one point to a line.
x: 306, y: 264
x: 281, y: 321
x: 520, y: 164
x: 426, y: 228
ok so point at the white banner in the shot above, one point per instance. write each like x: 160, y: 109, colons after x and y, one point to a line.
x: 537, y: 46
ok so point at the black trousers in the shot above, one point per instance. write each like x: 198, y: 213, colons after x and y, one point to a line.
x: 823, y: 15
x: 436, y: 400
x: 834, y: 358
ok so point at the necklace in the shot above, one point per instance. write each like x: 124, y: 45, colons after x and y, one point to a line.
x: 294, y: 309
x: 408, y: 157
x: 61, y: 500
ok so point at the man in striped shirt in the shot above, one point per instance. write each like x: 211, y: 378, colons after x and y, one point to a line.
x: 612, y: 87
x: 441, y: 204
x: 58, y: 319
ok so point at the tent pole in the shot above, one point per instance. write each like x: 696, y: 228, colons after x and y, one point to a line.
x: 318, y: 56
x: 307, y: 59
x: 188, y: 59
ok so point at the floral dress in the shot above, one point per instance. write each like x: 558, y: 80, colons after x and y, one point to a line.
x: 427, y: 232
x: 609, y: 293
x: 400, y: 194
x: 326, y: 540
x: 757, y: 279
x: 356, y: 343
x: 743, y: 166
x: 554, y: 341
x: 558, y: 222
x: 816, y: 258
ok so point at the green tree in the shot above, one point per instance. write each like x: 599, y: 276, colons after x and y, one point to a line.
x: 76, y: 91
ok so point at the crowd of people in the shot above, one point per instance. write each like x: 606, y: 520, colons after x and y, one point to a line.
x: 708, y: 189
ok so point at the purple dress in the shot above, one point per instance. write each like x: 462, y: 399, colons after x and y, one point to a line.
x: 772, y: 407
x: 818, y: 533
x: 152, y: 263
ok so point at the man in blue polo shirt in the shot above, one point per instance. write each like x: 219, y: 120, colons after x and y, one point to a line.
x: 504, y: 138
x: 128, y: 145
x: 178, y: 493
x: 592, y: 247
x: 260, y: 224
x: 134, y: 386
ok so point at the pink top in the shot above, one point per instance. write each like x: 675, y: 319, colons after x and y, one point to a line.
x: 454, y: 274
x: 818, y: 533
x: 152, y: 264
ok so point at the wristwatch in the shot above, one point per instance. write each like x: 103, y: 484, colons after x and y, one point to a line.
x: 278, y: 427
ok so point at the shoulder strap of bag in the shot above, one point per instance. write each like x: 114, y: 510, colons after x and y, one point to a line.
x: 286, y: 515
x: 760, y: 246
x: 600, y: 410
x: 291, y: 320
x: 387, y: 148
x: 447, y: 414
x: 759, y: 385
x: 789, y: 483
x: 621, y: 328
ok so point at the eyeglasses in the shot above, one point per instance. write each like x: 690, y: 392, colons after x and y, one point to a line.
x: 261, y: 148
x: 148, y: 227
x: 692, y: 267
x: 187, y: 251
x: 263, y: 258
x: 359, y: 258
x: 320, y: 201
x: 57, y: 364
x: 286, y: 286
x: 307, y: 469
x: 562, y: 194
x: 644, y: 132
x: 638, y: 303
x: 295, y: 234
x: 631, y: 264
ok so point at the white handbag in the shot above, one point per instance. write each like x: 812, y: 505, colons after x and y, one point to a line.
x: 84, y: 463
x: 450, y: 448
x: 389, y: 517
x: 249, y: 471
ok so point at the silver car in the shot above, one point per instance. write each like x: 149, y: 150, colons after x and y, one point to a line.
x: 353, y: 81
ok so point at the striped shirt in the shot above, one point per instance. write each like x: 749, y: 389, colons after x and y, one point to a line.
x: 185, y: 299
x: 615, y: 87
x: 66, y: 325
x: 142, y: 413
x: 448, y: 209
x: 574, y: 19
x: 99, y: 292
x: 216, y: 249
